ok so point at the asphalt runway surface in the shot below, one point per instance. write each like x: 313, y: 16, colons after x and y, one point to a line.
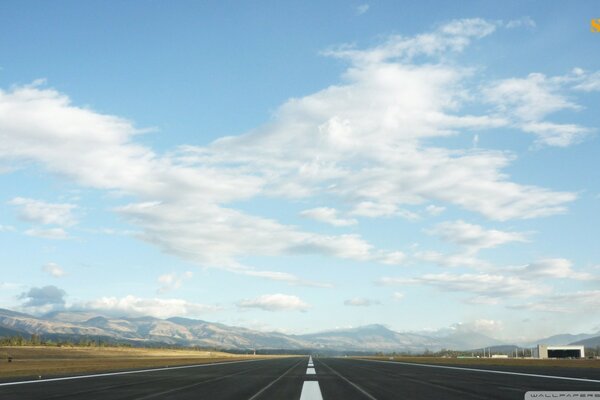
x: 304, y: 379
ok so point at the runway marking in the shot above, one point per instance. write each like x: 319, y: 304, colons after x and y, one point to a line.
x: 310, y: 371
x: 139, y: 371
x: 274, y: 381
x: 363, y: 391
x: 489, y: 371
x: 311, y: 391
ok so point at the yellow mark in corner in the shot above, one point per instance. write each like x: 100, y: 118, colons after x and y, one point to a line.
x: 595, y: 25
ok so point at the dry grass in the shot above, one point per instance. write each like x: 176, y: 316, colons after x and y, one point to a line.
x: 512, y: 362
x: 35, y: 361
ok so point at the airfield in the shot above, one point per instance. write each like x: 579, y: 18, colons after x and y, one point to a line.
x: 315, y: 378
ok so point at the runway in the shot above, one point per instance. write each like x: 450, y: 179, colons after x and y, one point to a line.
x: 309, y: 379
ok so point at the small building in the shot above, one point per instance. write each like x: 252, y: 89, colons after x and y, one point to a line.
x: 566, y: 351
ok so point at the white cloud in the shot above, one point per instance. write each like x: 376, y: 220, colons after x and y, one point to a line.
x: 327, y: 215
x: 362, y: 142
x: 552, y: 268
x: 584, y: 301
x: 43, y: 299
x: 484, y: 326
x: 40, y: 212
x: 7, y: 228
x: 467, y: 260
x: 481, y: 286
x: 53, y: 269
x: 526, y: 22
x: 284, y: 277
x: 588, y: 82
x: 398, y: 296
x: 361, y: 9
x: 376, y: 209
x: 360, y: 302
x: 559, y: 135
x: 453, y: 36
x: 172, y: 281
x: 215, y: 236
x: 136, y: 306
x: 391, y: 258
x: 434, y: 210
x: 474, y: 237
x: 275, y: 302
x: 50, y: 233
x: 528, y: 101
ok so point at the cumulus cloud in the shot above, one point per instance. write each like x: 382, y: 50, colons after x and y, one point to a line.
x: 43, y: 299
x: 53, y: 269
x: 275, y: 302
x: 136, y: 306
x: 41, y: 212
x: 363, y: 142
x: 327, y: 215
x: 398, y: 296
x: 361, y: 302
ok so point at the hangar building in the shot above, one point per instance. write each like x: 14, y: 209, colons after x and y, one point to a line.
x: 570, y: 351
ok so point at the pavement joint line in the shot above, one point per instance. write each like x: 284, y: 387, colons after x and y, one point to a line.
x: 311, y: 391
x: 489, y: 371
x: 274, y: 381
x: 367, y: 394
x: 139, y: 371
x: 177, y: 389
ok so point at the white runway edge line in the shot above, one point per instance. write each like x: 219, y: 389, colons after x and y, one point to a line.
x: 488, y: 371
x: 139, y: 371
x: 311, y: 391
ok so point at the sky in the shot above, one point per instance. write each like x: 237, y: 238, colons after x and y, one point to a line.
x: 303, y: 166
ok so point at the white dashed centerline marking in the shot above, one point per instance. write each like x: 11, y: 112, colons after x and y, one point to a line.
x: 311, y: 391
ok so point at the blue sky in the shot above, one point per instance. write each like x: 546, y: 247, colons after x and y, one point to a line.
x: 303, y: 166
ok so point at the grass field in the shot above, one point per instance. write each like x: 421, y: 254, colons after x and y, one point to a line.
x: 36, y: 361
x: 520, y: 362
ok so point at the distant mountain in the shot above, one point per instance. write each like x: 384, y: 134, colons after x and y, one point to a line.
x: 191, y: 332
x: 566, y: 338
x: 466, y: 340
x: 589, y: 342
x: 371, y: 338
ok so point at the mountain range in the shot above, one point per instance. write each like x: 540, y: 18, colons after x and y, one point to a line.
x: 74, y: 325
